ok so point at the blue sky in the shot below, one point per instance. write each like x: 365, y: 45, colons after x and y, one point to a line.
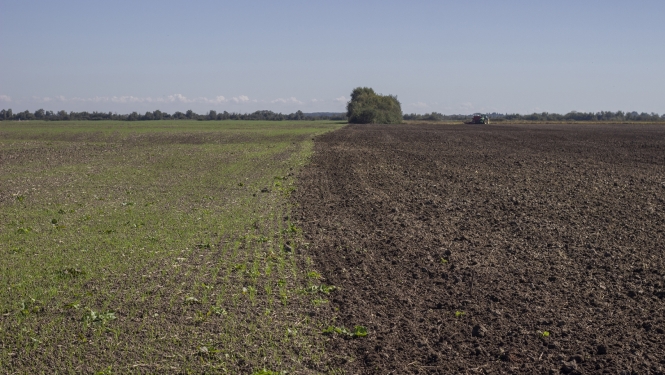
x: 241, y: 56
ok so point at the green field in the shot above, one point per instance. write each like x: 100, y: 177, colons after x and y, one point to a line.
x: 155, y: 247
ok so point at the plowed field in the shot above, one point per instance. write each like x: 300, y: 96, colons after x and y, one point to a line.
x: 491, y: 249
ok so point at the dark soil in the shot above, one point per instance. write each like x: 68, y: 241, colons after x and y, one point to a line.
x: 491, y: 249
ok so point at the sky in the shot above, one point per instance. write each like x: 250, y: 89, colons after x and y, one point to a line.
x: 452, y: 57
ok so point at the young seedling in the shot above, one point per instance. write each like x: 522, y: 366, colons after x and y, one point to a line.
x: 207, y: 351
x: 192, y: 301
x: 459, y: 314
x: 92, y: 317
x: 23, y: 230
x: 358, y: 331
x: 218, y: 310
x: 31, y: 306
x: 72, y: 305
x: 326, y: 289
x: 201, y: 317
x: 313, y: 275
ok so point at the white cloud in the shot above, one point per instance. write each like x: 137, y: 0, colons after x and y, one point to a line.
x: 291, y: 100
x: 166, y: 102
x: 175, y: 98
x: 121, y: 99
x: 240, y: 99
x: 128, y: 99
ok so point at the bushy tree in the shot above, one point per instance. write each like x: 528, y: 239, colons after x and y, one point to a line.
x: 368, y: 107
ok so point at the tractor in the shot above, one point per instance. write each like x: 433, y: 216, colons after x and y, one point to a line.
x: 479, y: 119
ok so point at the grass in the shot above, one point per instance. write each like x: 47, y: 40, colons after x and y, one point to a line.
x: 154, y: 247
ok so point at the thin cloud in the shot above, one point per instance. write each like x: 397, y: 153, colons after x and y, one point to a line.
x: 291, y: 100
x: 240, y: 99
x: 165, y: 100
x: 129, y: 99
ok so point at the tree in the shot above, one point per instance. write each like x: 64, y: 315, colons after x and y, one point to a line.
x: 368, y: 107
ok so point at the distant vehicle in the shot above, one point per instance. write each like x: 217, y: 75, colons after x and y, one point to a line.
x: 479, y: 119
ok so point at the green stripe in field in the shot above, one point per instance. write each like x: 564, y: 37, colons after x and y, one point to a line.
x: 153, y: 247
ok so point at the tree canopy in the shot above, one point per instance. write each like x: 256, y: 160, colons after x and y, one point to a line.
x: 368, y: 107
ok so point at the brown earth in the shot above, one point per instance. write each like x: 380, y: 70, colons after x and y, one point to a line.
x: 491, y: 249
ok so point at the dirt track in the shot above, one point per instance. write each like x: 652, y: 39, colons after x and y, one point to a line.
x: 543, y: 228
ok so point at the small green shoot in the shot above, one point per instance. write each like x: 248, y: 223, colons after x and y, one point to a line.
x: 192, y: 301
x: 218, y: 310
x: 72, y: 305
x: 459, y: 314
x: 313, y: 275
x: 358, y: 331
x: 31, y: 306
x: 313, y: 289
x: 92, y: 317
x: 106, y: 371
x: 326, y: 289
x: 23, y: 230
x: 319, y: 301
x: 207, y: 350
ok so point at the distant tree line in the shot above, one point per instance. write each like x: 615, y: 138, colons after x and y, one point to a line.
x: 41, y: 114
x: 546, y: 116
x: 358, y: 113
x: 434, y: 116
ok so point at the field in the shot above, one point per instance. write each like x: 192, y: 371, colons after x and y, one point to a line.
x: 155, y: 247
x: 493, y: 249
x: 269, y: 248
